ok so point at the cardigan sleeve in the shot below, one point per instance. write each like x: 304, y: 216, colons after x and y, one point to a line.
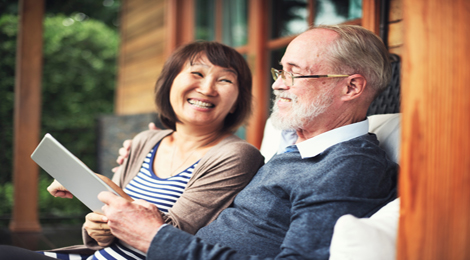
x: 141, y: 144
x: 228, y: 169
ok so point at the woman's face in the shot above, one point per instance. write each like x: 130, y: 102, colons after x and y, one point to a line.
x: 203, y: 94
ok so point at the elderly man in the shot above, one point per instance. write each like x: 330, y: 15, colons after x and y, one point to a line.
x: 329, y: 77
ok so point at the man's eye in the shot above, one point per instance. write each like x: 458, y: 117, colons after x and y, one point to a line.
x: 196, y: 73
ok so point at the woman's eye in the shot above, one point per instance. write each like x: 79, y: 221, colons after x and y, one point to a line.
x: 227, y: 80
x: 196, y: 73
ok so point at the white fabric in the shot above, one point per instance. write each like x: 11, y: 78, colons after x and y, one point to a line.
x: 387, y: 129
x: 271, y: 141
x: 371, y: 238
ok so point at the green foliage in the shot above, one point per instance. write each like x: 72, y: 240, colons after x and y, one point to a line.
x: 79, y: 72
x: 102, y: 10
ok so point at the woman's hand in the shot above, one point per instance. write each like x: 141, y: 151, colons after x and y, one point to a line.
x: 126, y: 146
x: 57, y: 190
x: 98, y: 229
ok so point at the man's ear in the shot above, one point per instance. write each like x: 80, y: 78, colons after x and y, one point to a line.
x: 355, y: 87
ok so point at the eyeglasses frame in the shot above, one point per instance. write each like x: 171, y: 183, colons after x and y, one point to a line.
x: 275, y: 73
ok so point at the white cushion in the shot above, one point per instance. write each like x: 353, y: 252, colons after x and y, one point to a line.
x: 371, y: 238
x: 271, y: 140
x: 387, y: 129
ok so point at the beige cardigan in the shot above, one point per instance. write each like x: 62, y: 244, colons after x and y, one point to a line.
x: 220, y: 174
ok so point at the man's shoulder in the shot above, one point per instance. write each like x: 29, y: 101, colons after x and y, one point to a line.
x: 367, y: 143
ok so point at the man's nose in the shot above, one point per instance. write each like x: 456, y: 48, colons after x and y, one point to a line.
x: 279, y: 84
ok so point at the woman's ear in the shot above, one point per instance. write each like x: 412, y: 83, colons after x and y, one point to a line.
x: 356, y: 85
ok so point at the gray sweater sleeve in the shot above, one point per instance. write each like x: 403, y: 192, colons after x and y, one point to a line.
x: 172, y: 243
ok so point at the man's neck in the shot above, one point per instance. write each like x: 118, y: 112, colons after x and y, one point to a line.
x: 315, y: 129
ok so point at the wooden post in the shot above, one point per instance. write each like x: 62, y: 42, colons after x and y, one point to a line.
x: 435, y: 166
x: 257, y: 58
x: 27, y: 115
x: 371, y: 21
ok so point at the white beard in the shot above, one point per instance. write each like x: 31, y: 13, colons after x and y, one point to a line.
x: 301, y: 113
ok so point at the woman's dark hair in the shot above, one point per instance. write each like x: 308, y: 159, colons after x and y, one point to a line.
x: 219, y: 55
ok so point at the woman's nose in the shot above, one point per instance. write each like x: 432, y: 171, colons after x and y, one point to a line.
x: 208, y: 88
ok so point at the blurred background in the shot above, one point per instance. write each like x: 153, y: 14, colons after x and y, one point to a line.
x: 80, y: 44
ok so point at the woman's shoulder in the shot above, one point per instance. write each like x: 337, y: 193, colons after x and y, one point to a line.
x: 151, y: 134
x: 234, y: 146
x: 149, y: 137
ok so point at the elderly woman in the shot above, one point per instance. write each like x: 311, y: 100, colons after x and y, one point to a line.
x: 193, y: 170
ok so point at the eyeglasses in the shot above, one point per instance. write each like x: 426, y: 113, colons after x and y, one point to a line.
x: 288, y: 77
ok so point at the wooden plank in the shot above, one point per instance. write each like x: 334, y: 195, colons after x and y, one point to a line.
x: 27, y: 116
x: 146, y: 41
x: 147, y: 24
x: 435, y: 169
x: 395, y: 34
x: 136, y: 8
x: 143, y: 39
x: 138, y: 55
x: 139, y: 99
x: 396, y: 11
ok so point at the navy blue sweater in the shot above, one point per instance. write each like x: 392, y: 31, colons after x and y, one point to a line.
x: 290, y: 207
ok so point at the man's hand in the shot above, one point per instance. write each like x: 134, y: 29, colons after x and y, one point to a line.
x: 57, y: 190
x: 126, y: 146
x: 136, y: 223
x: 97, y: 227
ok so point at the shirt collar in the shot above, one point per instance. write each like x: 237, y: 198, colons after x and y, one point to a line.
x: 316, y: 145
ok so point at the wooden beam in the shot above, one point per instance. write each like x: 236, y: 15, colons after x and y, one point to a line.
x: 27, y: 116
x: 371, y: 15
x: 257, y: 59
x: 435, y: 169
x: 180, y: 21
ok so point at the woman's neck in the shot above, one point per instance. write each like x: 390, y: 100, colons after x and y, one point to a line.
x: 186, y: 138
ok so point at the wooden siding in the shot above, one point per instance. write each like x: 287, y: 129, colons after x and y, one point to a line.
x: 141, y: 55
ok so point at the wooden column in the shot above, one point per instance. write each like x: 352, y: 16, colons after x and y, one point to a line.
x: 371, y: 15
x: 27, y: 115
x: 435, y: 165
x: 180, y: 23
x: 257, y: 58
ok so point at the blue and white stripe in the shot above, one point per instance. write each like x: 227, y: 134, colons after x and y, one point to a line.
x: 159, y: 191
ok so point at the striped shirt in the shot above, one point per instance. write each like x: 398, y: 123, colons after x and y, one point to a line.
x: 147, y: 186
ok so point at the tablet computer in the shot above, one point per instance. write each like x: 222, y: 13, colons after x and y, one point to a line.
x: 72, y: 173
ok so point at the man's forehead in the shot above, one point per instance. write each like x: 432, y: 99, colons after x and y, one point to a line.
x: 307, y: 49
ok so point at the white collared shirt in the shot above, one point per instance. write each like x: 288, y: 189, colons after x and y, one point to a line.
x: 316, y: 145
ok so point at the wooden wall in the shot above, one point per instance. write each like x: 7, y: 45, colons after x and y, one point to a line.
x: 141, y: 56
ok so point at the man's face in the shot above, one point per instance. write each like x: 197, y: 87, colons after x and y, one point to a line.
x: 295, y: 106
